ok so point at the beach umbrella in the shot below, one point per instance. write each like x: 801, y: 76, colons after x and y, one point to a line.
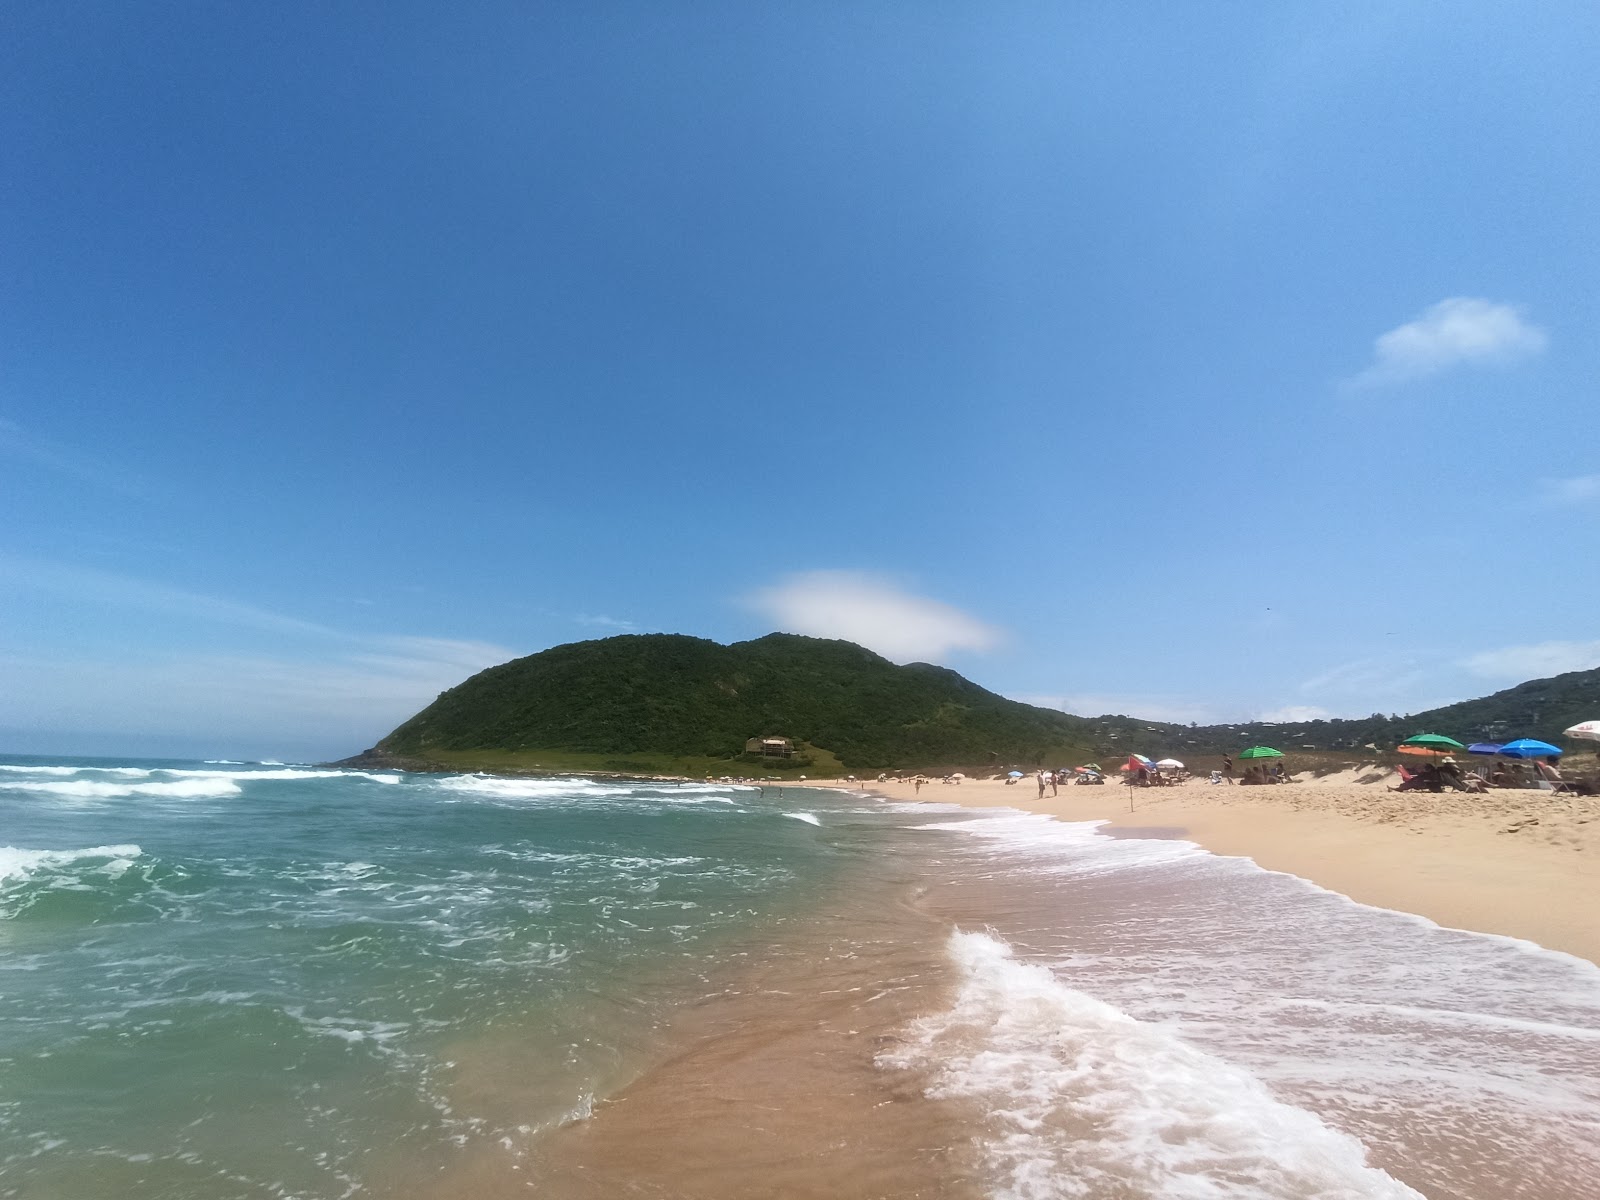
x: 1260, y: 752
x: 1423, y: 751
x: 1015, y: 774
x: 1430, y: 741
x: 1530, y: 748
x: 1170, y: 762
x: 1587, y: 730
x: 1484, y: 748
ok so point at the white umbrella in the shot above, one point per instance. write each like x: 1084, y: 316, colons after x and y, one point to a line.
x: 1589, y: 730
x: 1169, y: 762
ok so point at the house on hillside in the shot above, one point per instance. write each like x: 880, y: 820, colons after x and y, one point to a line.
x: 769, y: 747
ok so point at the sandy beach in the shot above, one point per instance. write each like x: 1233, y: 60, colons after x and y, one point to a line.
x: 1522, y: 864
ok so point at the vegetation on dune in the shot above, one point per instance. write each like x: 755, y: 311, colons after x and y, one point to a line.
x: 670, y: 704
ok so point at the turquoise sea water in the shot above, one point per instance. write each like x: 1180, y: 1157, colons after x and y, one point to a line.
x: 247, y: 979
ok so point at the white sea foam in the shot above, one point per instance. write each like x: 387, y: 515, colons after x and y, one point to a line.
x: 496, y: 788
x: 58, y: 771
x: 1071, y: 846
x: 210, y: 788
x: 1085, y: 1101
x: 282, y: 773
x: 18, y: 864
x: 808, y: 818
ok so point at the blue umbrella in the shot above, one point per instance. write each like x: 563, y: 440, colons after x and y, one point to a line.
x: 1530, y: 748
x: 1015, y: 774
x: 1484, y: 748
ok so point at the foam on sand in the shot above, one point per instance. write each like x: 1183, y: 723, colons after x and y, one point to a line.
x: 1086, y: 1101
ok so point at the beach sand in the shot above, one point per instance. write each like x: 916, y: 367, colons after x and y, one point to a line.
x: 1524, y: 864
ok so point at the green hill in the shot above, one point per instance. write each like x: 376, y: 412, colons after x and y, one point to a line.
x: 1540, y: 708
x: 668, y: 702
x: 674, y: 704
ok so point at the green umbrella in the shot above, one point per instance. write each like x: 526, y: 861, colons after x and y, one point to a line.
x: 1261, y: 752
x: 1433, y: 741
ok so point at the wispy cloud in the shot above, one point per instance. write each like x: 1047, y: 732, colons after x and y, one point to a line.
x: 1176, y: 710
x: 1536, y: 661
x: 312, y: 688
x: 1460, y: 331
x: 600, y: 621
x: 333, y: 703
x: 18, y: 443
x: 109, y: 589
x: 1570, y: 492
x: 872, y: 611
x: 1367, y: 680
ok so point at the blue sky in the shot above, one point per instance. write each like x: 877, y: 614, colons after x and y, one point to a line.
x: 1197, y: 362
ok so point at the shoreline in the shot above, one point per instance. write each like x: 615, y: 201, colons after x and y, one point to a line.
x: 1516, y: 864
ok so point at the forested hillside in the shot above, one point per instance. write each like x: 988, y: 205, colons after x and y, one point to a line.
x: 666, y: 702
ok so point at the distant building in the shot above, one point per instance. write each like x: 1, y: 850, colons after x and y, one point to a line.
x: 770, y: 747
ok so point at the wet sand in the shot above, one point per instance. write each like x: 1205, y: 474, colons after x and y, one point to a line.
x: 767, y: 1084
x: 1522, y: 864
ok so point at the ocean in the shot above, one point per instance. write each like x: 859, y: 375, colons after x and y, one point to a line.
x: 224, y: 979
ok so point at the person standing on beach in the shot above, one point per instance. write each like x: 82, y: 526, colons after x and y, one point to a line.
x: 1041, y: 783
x: 916, y: 785
x: 1227, y: 768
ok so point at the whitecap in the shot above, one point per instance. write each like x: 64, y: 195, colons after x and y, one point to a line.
x: 808, y: 818
x: 93, y: 789
x: 19, y: 864
x: 283, y: 773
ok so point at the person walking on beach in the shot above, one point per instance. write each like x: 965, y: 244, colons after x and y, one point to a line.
x: 1227, y: 768
x: 916, y: 785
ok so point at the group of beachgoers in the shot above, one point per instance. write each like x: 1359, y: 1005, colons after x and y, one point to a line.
x: 1255, y: 773
x: 1447, y: 773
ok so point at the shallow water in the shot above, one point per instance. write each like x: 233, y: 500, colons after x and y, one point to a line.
x: 250, y: 980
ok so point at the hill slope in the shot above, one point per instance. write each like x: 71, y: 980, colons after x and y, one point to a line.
x: 637, y: 699
x: 1539, y: 708
x: 666, y: 702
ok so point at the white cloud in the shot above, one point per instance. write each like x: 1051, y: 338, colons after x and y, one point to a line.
x: 872, y: 611
x: 1459, y: 331
x: 1578, y: 489
x: 1537, y: 661
x: 1295, y: 712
